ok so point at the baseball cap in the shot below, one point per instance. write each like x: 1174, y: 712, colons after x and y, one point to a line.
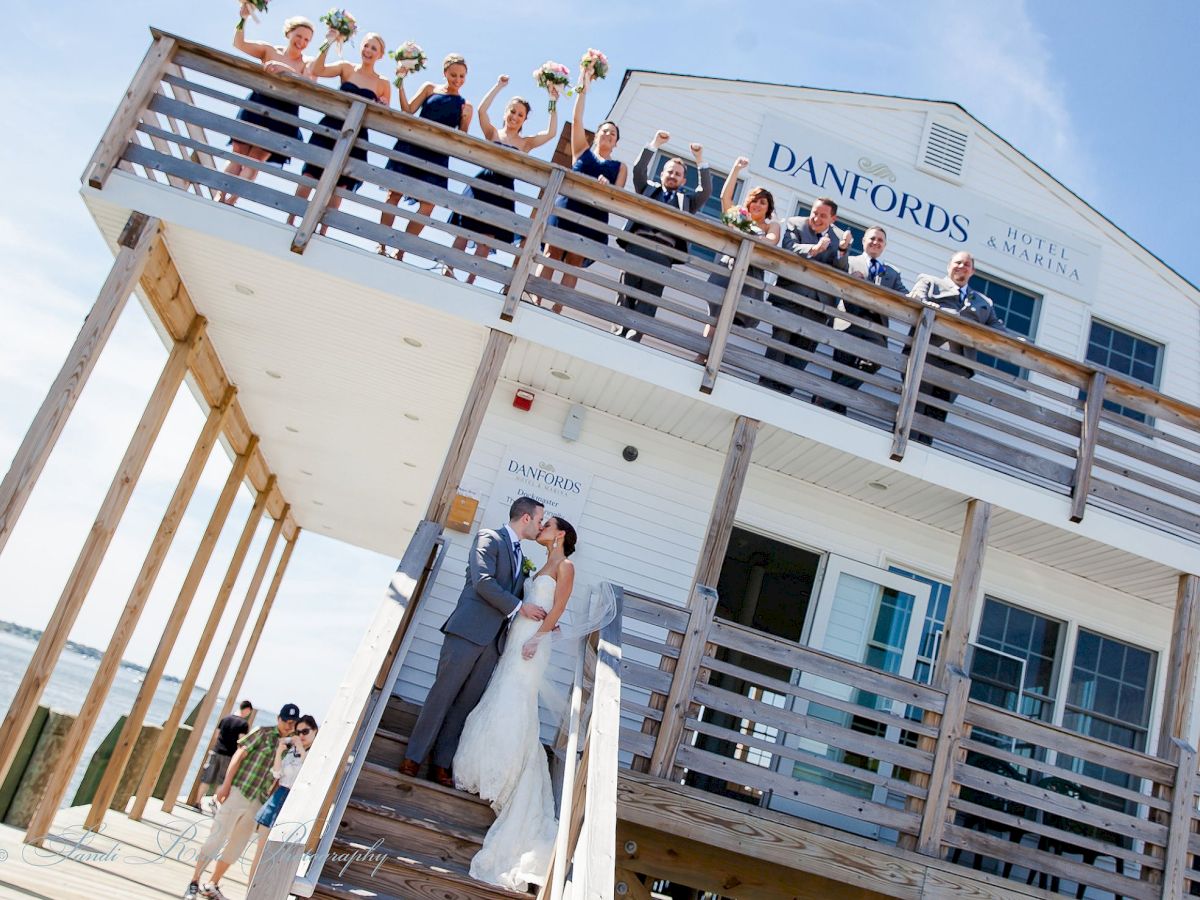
x: 290, y: 711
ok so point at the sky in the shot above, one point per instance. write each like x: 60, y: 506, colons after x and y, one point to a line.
x: 1093, y: 92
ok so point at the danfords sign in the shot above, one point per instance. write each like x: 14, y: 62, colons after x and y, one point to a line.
x: 872, y: 191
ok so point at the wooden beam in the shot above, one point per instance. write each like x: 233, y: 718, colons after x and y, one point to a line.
x: 940, y: 781
x: 469, y: 422
x: 725, y: 504
x: 906, y: 406
x: 137, y: 95
x: 183, y: 699
x: 54, y: 638
x: 1089, y: 433
x: 687, y: 668
x: 140, y: 235
x: 1183, y: 667
x: 720, y: 335
x: 1177, y: 866
x: 319, y: 202
x: 72, y: 749
x: 132, y: 728
x: 532, y: 244
x: 235, y: 687
x: 231, y: 643
x: 966, y: 591
x: 597, y: 850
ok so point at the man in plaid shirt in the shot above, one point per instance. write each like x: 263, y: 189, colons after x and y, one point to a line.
x: 247, y: 785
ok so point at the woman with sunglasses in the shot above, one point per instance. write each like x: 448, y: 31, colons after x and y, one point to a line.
x: 289, y: 755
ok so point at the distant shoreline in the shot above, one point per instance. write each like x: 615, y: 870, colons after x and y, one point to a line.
x: 34, y: 634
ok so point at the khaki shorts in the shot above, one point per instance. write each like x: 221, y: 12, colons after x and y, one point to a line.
x: 215, y: 766
x: 232, y: 828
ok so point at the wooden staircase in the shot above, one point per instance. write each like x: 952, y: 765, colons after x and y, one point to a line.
x: 405, y: 838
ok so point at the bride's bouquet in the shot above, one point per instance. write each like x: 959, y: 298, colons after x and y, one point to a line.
x: 551, y: 73
x: 341, y: 22
x: 409, y: 57
x: 255, y: 5
x: 739, y: 218
x: 594, y: 60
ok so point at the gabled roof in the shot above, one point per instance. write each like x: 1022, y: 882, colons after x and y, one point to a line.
x: 1105, y: 221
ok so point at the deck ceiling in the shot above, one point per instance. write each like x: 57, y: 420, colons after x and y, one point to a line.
x: 355, y: 420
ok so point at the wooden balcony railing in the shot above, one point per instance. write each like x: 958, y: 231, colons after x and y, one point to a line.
x: 1046, y: 424
x: 768, y: 722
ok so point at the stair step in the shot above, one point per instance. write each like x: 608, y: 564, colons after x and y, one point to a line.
x: 402, y: 873
x: 418, y: 798
x: 387, y: 748
x: 400, y: 715
x: 431, y: 836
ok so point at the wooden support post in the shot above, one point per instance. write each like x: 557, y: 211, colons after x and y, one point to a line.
x: 906, y: 406
x: 469, y: 423
x: 89, y: 712
x: 1176, y: 866
x: 54, y: 638
x: 532, y: 244
x: 712, y: 551
x: 231, y: 643
x: 1183, y: 667
x: 950, y: 675
x: 319, y: 201
x: 1090, y: 431
x: 137, y: 95
x: 140, y: 235
x: 720, y: 335
x: 183, y: 699
x: 123, y: 751
x: 691, y: 653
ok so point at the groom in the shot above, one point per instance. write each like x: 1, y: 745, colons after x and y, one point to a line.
x: 474, y: 638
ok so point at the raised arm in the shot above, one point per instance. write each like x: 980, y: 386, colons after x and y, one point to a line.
x: 464, y: 118
x: 536, y: 140
x: 411, y: 106
x: 579, y: 140
x: 258, y: 49
x: 484, y: 562
x: 485, y: 121
x: 704, y: 175
x: 641, y: 168
x: 320, y: 69
x: 731, y: 182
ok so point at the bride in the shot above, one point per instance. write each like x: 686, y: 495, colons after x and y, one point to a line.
x: 500, y: 756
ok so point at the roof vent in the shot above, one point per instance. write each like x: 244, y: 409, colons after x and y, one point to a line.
x: 944, y: 148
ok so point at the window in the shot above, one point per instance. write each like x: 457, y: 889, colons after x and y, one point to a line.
x: 1110, y: 691
x: 1027, y: 636
x: 712, y: 208
x: 1128, y: 354
x: 935, y: 623
x: 841, y: 224
x: 1018, y: 308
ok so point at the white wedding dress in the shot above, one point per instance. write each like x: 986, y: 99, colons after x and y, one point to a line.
x: 500, y: 758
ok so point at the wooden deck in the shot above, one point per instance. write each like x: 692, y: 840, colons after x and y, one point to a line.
x: 147, y: 860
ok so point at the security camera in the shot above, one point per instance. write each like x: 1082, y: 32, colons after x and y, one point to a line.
x: 630, y: 453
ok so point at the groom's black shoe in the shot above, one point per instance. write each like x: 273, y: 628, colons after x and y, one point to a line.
x: 409, y: 767
x: 442, y: 776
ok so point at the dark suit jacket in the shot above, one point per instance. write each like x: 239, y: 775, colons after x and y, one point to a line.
x: 889, y: 278
x: 686, y: 201
x: 492, y: 590
x: 944, y: 293
x: 797, y: 238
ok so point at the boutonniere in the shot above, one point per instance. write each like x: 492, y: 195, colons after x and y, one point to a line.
x: 527, y: 566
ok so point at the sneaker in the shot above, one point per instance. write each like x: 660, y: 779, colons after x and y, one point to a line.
x: 213, y: 892
x: 192, y: 892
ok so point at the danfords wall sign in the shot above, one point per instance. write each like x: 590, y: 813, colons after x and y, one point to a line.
x: 872, y: 191
x: 559, y: 483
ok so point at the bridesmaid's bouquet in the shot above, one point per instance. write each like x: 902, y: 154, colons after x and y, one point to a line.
x: 409, y: 57
x: 551, y: 73
x: 597, y: 62
x: 255, y: 5
x: 739, y: 218
x: 340, y: 21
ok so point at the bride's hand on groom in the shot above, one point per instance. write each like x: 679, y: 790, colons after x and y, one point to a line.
x: 529, y: 648
x: 532, y: 611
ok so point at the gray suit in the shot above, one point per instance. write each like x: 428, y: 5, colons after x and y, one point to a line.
x: 885, y: 276
x: 977, y: 307
x: 475, y: 634
x: 684, y: 201
x: 799, y: 239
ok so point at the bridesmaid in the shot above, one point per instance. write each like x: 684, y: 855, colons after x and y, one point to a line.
x: 441, y: 103
x: 358, y: 80
x: 760, y: 203
x: 594, y: 161
x: 509, y: 135
x: 287, y: 60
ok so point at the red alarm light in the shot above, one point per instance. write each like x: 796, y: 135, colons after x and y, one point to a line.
x: 523, y: 399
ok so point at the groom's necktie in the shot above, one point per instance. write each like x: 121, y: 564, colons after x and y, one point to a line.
x: 516, y: 560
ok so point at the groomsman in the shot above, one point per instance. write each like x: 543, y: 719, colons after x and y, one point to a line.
x: 952, y: 294
x: 812, y: 238
x: 869, y: 266
x: 671, y: 191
